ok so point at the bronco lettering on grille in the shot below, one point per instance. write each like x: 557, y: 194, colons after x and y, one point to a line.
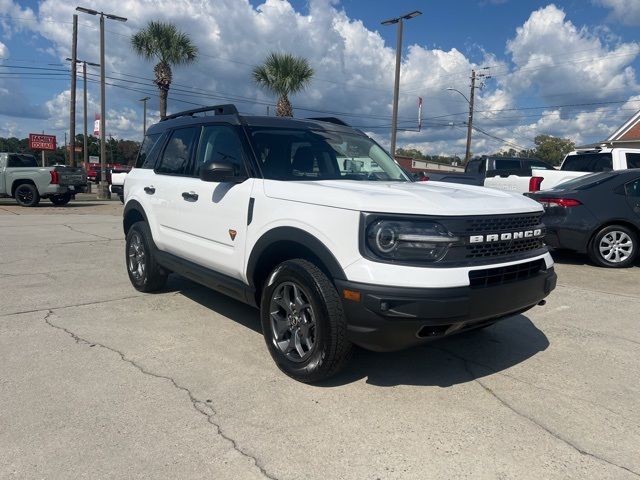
x: 504, y: 237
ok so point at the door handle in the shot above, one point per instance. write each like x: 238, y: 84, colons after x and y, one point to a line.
x: 190, y: 196
x: 150, y: 190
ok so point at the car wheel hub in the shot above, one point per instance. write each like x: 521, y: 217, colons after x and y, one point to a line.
x: 293, y: 328
x: 616, y: 246
x: 136, y: 257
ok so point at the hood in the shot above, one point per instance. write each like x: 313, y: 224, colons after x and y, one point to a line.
x: 420, y: 198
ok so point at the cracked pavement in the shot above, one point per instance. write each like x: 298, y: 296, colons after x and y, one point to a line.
x: 100, y: 381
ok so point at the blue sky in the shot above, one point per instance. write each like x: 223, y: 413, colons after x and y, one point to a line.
x: 562, y: 55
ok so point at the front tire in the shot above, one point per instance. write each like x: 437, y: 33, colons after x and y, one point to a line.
x: 615, y: 246
x: 27, y: 195
x: 60, y: 200
x: 144, y: 272
x: 303, y: 322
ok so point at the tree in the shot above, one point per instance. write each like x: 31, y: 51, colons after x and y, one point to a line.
x: 165, y: 43
x: 283, y: 74
x: 552, y: 149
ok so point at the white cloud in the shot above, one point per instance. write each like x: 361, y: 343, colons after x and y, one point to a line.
x: 624, y: 11
x: 4, y: 51
x: 551, y: 59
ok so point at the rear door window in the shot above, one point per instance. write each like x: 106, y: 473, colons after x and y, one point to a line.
x: 632, y: 189
x: 507, y: 164
x: 21, y: 161
x: 588, y: 162
x: 633, y: 160
x: 176, y: 158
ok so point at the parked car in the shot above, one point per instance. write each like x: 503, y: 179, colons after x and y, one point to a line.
x: 315, y: 224
x: 118, y: 176
x: 530, y: 175
x: 22, y: 179
x: 504, y: 173
x: 597, y: 214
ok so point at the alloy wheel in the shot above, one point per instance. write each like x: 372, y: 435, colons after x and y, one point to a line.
x: 616, y: 246
x: 136, y: 257
x: 293, y: 322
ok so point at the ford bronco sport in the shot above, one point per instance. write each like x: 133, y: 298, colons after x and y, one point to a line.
x: 315, y: 224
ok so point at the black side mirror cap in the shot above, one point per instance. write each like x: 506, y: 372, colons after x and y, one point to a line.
x: 221, y: 172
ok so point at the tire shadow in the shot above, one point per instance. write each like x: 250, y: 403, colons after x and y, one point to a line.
x: 443, y: 363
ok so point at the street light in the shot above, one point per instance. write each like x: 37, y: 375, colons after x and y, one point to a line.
x: 470, y: 119
x: 103, y: 188
x: 85, y: 153
x: 396, y: 86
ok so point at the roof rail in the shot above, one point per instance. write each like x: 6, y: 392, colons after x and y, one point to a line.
x: 227, y: 109
x: 335, y: 120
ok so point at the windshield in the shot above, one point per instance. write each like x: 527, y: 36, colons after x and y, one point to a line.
x: 586, y: 181
x: 292, y: 154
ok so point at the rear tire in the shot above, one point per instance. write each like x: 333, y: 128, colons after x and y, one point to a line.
x: 615, y: 246
x: 144, y: 272
x: 27, y: 195
x: 303, y: 322
x: 60, y: 200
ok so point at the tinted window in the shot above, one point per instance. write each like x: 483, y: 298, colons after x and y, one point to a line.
x: 474, y: 166
x: 588, y: 162
x: 632, y: 189
x: 177, y: 153
x: 633, y: 160
x: 289, y: 154
x: 21, y: 161
x: 148, y: 151
x: 220, y: 143
x: 507, y: 164
x: 539, y: 165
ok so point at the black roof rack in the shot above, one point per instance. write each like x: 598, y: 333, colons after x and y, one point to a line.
x: 335, y: 120
x: 227, y: 109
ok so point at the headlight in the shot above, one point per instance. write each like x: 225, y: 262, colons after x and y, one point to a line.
x: 406, y: 240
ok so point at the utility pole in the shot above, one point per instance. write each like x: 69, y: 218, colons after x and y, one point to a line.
x: 471, y: 100
x: 472, y: 97
x: 72, y: 105
x: 144, y: 115
x: 396, y: 85
x: 85, y: 151
x: 103, y: 188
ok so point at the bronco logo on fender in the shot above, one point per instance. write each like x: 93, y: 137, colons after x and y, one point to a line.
x: 503, y: 237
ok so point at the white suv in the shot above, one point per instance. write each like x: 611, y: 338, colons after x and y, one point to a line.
x: 315, y: 224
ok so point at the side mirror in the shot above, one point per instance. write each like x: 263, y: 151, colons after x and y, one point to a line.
x: 221, y: 172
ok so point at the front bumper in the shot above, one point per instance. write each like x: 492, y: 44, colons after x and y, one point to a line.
x: 392, y: 318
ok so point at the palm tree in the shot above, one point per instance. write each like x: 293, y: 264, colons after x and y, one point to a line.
x: 283, y: 74
x: 165, y: 43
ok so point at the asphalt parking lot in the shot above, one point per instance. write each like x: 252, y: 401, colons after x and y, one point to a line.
x: 100, y: 381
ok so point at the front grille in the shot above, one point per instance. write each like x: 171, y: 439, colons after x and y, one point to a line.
x: 501, y: 275
x: 499, y: 249
x: 496, y: 224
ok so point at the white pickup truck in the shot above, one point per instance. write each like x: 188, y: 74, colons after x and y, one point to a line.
x: 532, y: 174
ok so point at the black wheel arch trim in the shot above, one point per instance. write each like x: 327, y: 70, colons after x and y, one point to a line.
x: 299, y: 236
x: 132, y: 205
